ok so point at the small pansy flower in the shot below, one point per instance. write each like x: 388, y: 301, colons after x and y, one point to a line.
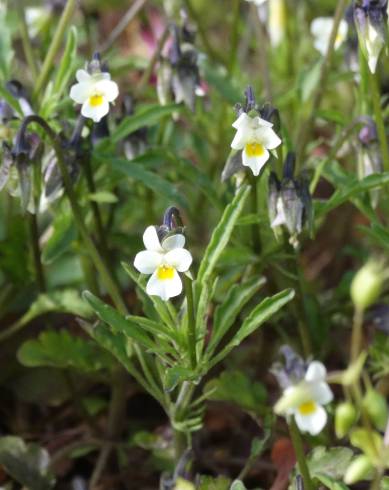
x: 304, y: 400
x: 254, y: 136
x: 163, y: 260
x: 321, y: 29
x: 95, y: 92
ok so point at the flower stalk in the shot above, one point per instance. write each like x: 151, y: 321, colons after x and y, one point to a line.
x: 300, y: 455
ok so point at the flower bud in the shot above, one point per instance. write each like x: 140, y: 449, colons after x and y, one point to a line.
x: 345, y: 418
x: 370, y: 19
x: 182, y: 484
x: 358, y: 470
x: 367, y: 285
x: 376, y: 407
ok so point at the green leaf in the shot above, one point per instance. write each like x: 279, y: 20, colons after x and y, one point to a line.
x: 237, y: 485
x: 60, y: 349
x: 309, y: 80
x: 66, y: 301
x: 238, y: 388
x: 331, y: 483
x: 115, y: 343
x: 226, y: 313
x: 210, y: 483
x: 6, y: 51
x: 151, y: 180
x: 119, y: 323
x: 221, y: 235
x: 11, y: 101
x: 351, y: 189
x: 66, y: 67
x: 103, y: 196
x: 331, y: 462
x: 175, y: 375
x: 64, y: 233
x: 146, y: 116
x: 26, y: 463
x: 261, y: 313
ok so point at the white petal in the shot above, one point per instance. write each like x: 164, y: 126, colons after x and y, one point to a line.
x: 165, y: 289
x: 179, y: 258
x: 321, y: 44
x: 151, y: 240
x: 258, y: 122
x: 267, y: 137
x: 83, y: 76
x: 147, y: 261
x: 312, y: 423
x: 280, y: 218
x: 240, y: 139
x: 316, y: 372
x: 96, y: 113
x: 109, y: 88
x: 255, y: 163
x: 243, y: 121
x: 322, y: 26
x: 80, y: 92
x: 321, y: 392
x: 174, y: 241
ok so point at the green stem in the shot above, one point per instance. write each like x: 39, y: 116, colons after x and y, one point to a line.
x: 106, y: 277
x: 95, y: 208
x: 44, y: 73
x: 306, y: 127
x: 191, y: 322
x: 30, y: 58
x: 379, y: 120
x: 300, y: 455
x: 34, y: 238
x: 356, y: 337
x: 255, y: 229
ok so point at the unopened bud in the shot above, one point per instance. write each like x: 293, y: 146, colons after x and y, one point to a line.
x: 345, y: 418
x: 358, y: 470
x: 376, y: 407
x: 367, y: 285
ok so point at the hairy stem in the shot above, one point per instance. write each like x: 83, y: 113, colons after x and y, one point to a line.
x: 356, y: 337
x: 300, y: 455
x: 191, y: 322
x: 379, y: 120
x: 36, y: 253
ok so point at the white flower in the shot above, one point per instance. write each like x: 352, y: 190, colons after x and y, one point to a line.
x: 164, y: 261
x: 94, y: 92
x: 321, y: 28
x: 304, y: 400
x: 255, y: 137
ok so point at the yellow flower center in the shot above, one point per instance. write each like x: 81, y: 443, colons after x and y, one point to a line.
x: 307, y: 408
x: 165, y: 272
x: 95, y: 100
x: 254, y: 150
